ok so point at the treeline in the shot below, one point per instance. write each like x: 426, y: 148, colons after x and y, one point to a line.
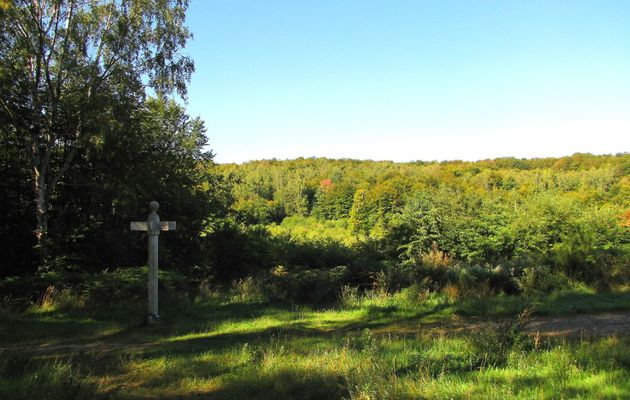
x: 267, y: 191
x: 498, y: 218
x: 83, y: 147
x: 308, y: 227
x: 152, y: 152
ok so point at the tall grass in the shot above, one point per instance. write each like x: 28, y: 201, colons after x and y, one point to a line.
x: 359, y: 365
x: 372, y: 345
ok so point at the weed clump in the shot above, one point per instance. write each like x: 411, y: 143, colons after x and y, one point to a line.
x: 493, y: 344
x: 25, y: 377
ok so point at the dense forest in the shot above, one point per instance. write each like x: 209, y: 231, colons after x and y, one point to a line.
x: 304, y: 229
x: 494, y: 222
x: 91, y: 130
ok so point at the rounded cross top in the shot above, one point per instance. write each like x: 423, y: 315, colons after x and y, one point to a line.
x: 154, y: 205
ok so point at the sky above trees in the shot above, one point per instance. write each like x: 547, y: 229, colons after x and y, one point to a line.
x: 410, y: 80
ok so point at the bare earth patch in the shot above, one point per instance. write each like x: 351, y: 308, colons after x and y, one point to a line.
x: 582, y: 324
x: 604, y: 324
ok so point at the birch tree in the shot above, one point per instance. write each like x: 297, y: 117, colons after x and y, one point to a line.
x: 60, y: 60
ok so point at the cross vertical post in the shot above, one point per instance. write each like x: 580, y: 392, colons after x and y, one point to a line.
x: 153, y: 226
x: 153, y: 233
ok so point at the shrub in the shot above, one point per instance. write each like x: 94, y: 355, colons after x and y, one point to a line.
x: 435, y: 259
x: 541, y: 279
x: 249, y: 289
x: 125, y: 285
x: 53, y: 299
x: 206, y: 291
x: 452, y: 292
x: 54, y: 291
x: 482, y: 280
x: 349, y: 296
x: 591, y: 253
x: 492, y: 345
x: 306, y: 285
x: 393, y: 278
x: 435, y: 269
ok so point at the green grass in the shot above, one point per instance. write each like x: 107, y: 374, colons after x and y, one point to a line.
x: 575, y: 300
x: 371, y: 347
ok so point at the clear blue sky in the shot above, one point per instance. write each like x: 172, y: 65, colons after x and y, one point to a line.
x: 410, y: 80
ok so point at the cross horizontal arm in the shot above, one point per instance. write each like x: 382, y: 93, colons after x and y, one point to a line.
x: 142, y: 226
x: 138, y: 226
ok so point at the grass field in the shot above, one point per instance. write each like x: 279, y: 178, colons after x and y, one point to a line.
x: 369, y: 347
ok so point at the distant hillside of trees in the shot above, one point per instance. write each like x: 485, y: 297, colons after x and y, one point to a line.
x: 567, y: 216
x: 315, y: 225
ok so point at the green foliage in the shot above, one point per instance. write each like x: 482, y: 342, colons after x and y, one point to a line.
x: 483, y: 280
x: 249, y: 289
x: 492, y: 221
x: 312, y: 243
x: 71, y: 71
x: 361, y: 215
x: 494, y: 226
x: 492, y: 346
x: 68, y: 291
x: 306, y: 285
x: 541, y: 279
x: 253, y: 209
x: 333, y: 201
x: 232, y: 251
x: 592, y: 249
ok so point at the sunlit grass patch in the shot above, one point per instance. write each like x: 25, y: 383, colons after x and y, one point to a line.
x: 250, y: 326
x: 262, y: 372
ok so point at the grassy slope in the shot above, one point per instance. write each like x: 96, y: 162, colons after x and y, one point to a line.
x: 239, y: 350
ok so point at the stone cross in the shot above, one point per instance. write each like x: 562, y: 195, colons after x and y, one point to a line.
x: 153, y: 226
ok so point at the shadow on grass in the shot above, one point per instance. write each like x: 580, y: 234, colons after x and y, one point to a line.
x: 197, y: 359
x: 64, y: 335
x: 279, y: 384
x: 49, y: 329
x: 45, y: 330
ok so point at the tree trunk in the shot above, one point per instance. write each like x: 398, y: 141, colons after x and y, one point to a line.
x: 41, y: 214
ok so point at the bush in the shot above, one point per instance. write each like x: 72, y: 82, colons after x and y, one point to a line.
x: 349, y: 296
x: 594, y: 266
x: 53, y: 299
x: 249, y: 289
x: 541, y: 279
x: 54, y: 291
x: 318, y: 252
x: 126, y: 285
x: 484, y: 280
x: 493, y: 344
x: 433, y: 268
x: 394, y: 278
x: 306, y: 285
x: 234, y: 251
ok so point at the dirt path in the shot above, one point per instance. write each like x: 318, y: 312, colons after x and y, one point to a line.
x: 588, y: 325
x: 601, y: 324
x: 582, y: 324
